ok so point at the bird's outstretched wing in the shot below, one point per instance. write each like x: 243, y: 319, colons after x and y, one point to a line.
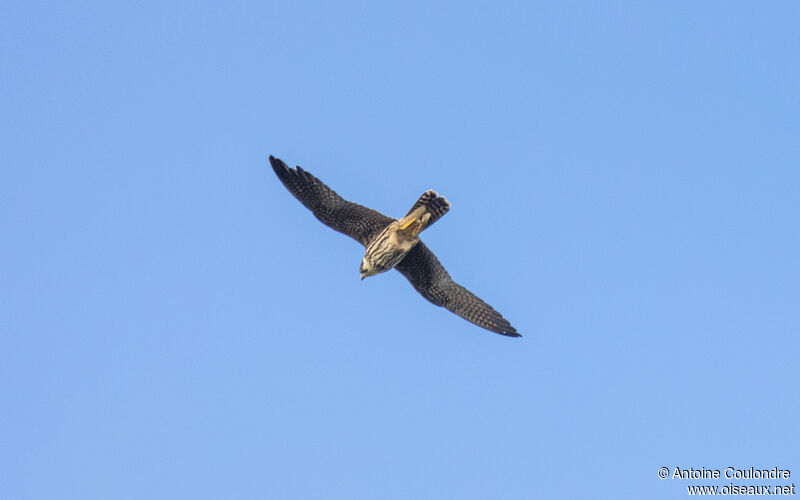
x: 429, y: 277
x: 354, y: 220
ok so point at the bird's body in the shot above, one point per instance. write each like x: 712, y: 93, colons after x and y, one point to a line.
x: 388, y: 248
x: 392, y: 243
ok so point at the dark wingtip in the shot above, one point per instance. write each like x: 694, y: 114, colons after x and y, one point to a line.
x: 509, y: 332
x: 275, y: 162
x: 503, y: 327
x: 278, y: 166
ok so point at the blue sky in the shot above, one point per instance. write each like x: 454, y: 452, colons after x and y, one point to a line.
x: 624, y: 181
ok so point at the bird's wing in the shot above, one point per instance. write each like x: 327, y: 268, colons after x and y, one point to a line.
x: 429, y: 277
x: 352, y: 219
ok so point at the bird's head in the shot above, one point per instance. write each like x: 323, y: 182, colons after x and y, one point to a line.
x: 366, y: 268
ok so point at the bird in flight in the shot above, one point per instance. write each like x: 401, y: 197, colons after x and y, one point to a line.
x: 392, y: 243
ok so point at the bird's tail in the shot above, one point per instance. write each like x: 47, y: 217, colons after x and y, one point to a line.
x: 427, y: 210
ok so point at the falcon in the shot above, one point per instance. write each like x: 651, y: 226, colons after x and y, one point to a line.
x: 392, y: 243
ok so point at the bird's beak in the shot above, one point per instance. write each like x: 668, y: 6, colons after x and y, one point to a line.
x: 362, y: 277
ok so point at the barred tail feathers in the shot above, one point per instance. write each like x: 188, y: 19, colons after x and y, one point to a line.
x: 429, y: 208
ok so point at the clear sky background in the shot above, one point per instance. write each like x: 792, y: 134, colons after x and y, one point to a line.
x: 624, y: 180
